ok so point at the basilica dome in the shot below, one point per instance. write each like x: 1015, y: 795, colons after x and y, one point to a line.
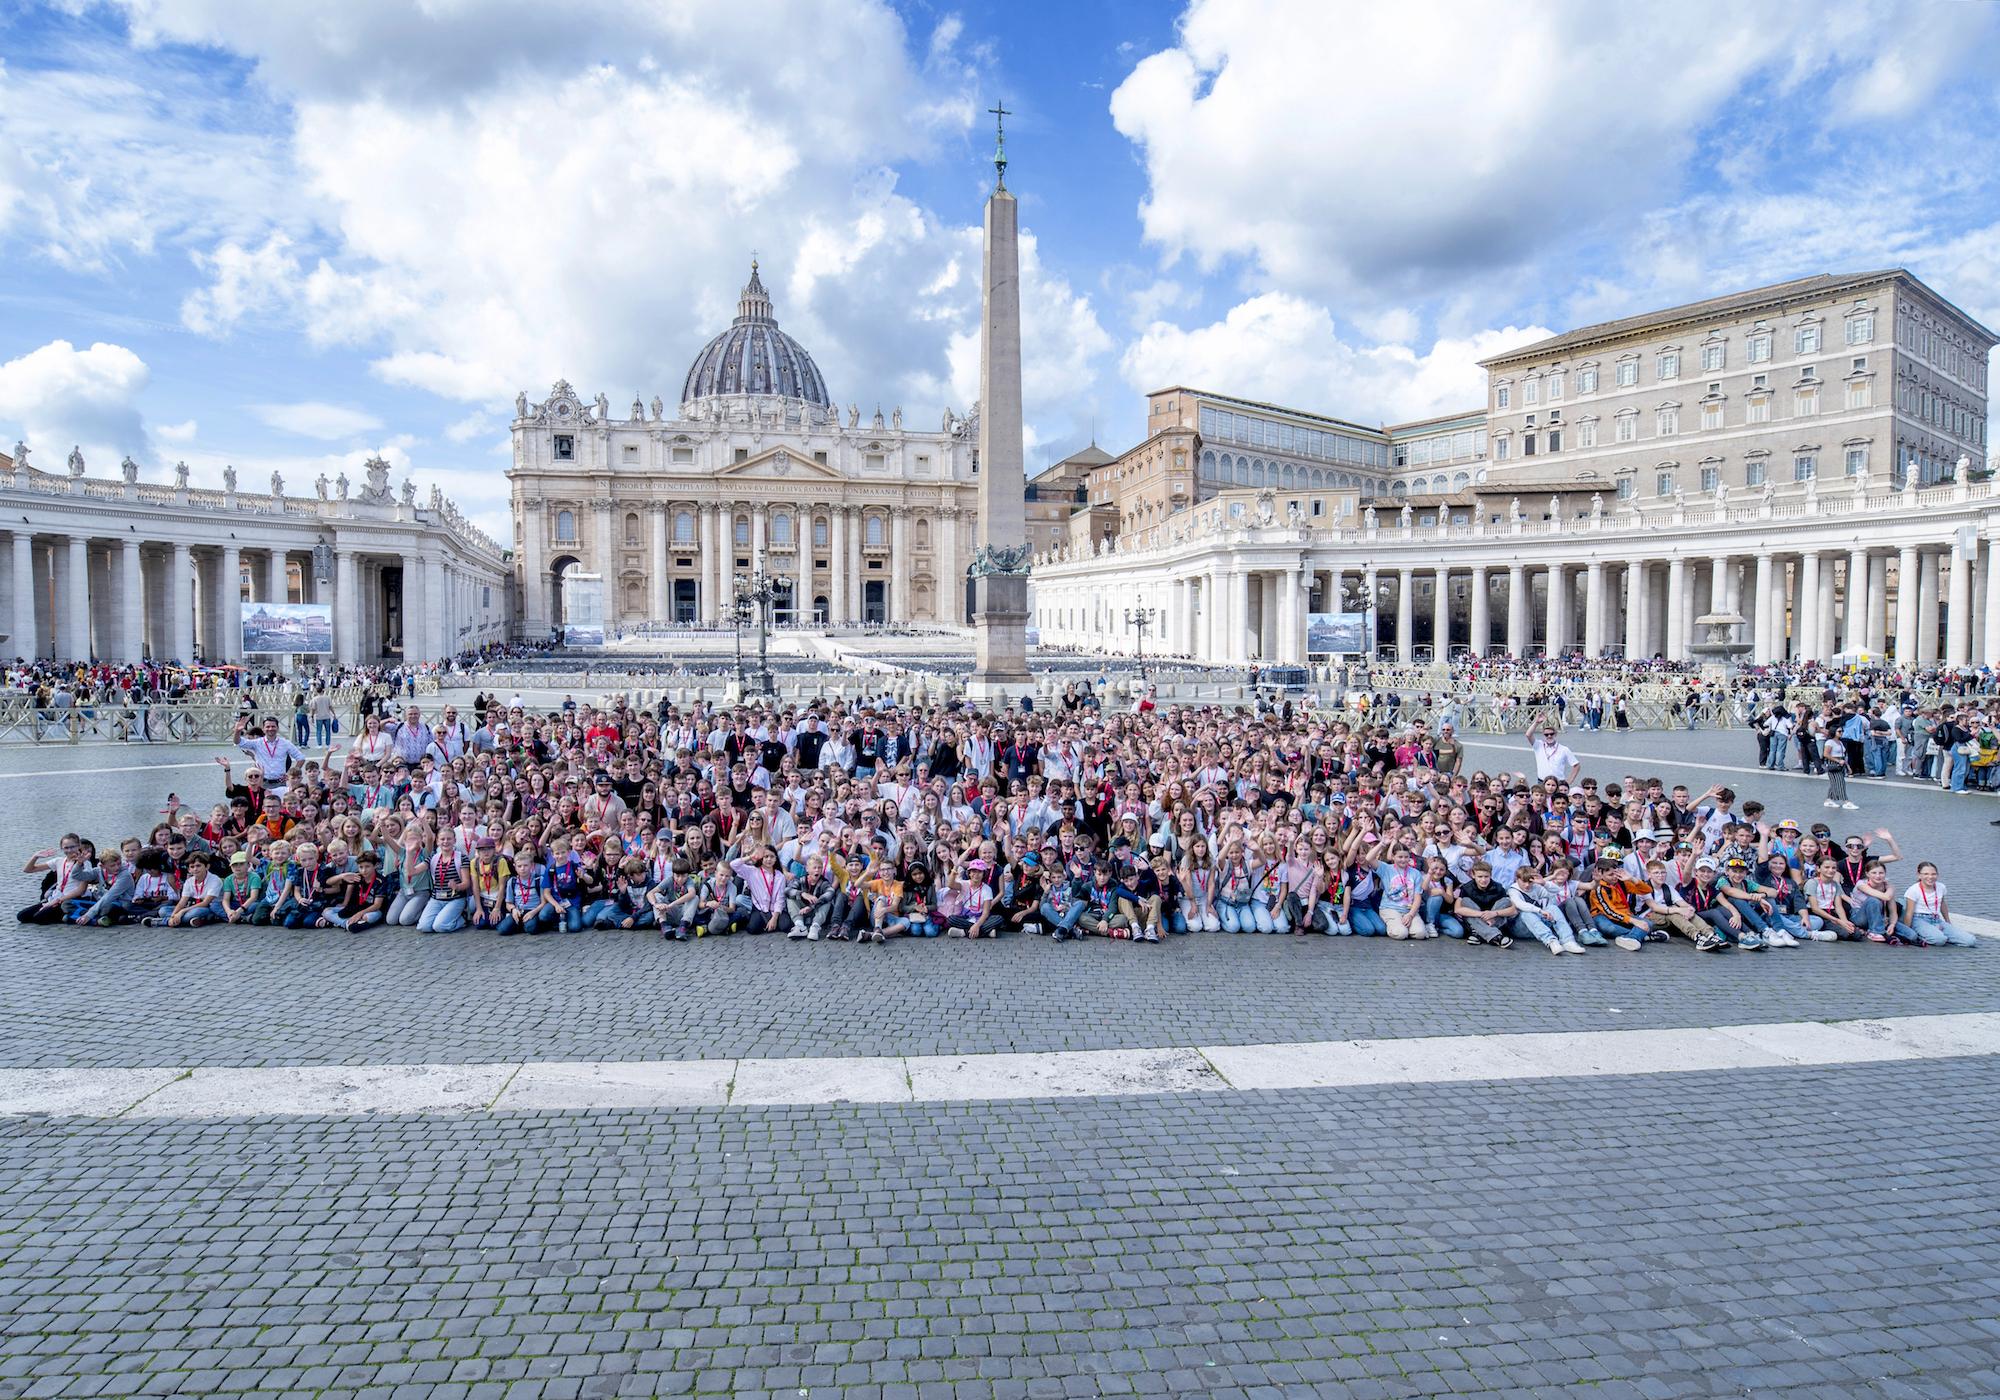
x: 754, y: 357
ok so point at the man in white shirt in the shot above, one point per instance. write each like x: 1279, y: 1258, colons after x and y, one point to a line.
x: 1553, y: 758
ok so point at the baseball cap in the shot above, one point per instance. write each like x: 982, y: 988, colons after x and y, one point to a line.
x: 1706, y: 863
x: 240, y: 858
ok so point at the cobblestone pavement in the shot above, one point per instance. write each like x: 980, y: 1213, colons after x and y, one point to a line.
x: 256, y: 996
x: 1781, y: 1233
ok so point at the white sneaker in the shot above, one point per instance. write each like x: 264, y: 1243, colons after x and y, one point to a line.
x: 1851, y: 806
x: 1778, y: 938
x: 1829, y: 803
x: 1822, y: 935
x: 1555, y: 947
x: 1627, y: 942
x: 1570, y: 945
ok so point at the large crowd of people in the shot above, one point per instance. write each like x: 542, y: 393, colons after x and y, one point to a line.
x: 865, y: 823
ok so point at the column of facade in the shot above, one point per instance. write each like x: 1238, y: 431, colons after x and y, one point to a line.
x: 1406, y: 615
x: 346, y: 604
x: 131, y: 601
x: 1805, y: 607
x: 1517, y: 610
x: 1635, y: 609
x: 1557, y: 617
x: 1927, y: 608
x: 1760, y: 635
x: 277, y: 586
x: 1677, y: 610
x: 104, y: 638
x: 1853, y: 606
x: 180, y: 608
x: 74, y: 600
x: 836, y: 585
x: 1906, y: 605
x: 1239, y: 615
x: 1958, y: 617
x: 661, y: 603
x: 21, y: 637
x: 1481, y: 621
x: 1878, y: 604
x: 1441, y: 614
x: 899, y: 567
x: 951, y: 569
x: 1593, y: 609
x: 857, y: 593
x: 1989, y: 641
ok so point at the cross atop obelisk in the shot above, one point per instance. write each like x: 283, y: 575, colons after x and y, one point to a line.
x: 1000, y: 562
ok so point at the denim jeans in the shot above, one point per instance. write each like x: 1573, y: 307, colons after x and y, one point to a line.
x: 1066, y: 921
x: 322, y: 733
x: 1752, y: 915
x: 1236, y: 918
x: 442, y: 916
x: 1366, y: 922
x: 1932, y: 930
x: 1435, y: 915
x: 1961, y: 763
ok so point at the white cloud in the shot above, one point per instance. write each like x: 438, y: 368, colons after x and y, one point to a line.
x: 471, y: 426
x: 1286, y: 350
x: 59, y: 397
x: 177, y: 432
x: 1368, y: 150
x: 327, y: 421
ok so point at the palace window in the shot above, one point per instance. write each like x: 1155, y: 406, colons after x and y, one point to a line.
x: 1626, y: 486
x: 632, y: 452
x: 1753, y: 472
x: 1711, y: 415
x: 1586, y: 380
x: 1861, y: 329
x: 1759, y: 349
x: 1857, y: 460
x: 1805, y: 402
x: 1555, y: 387
x: 1805, y: 340
x: 1628, y: 373
x: 683, y: 456
x: 1757, y: 408
x: 1667, y: 422
x: 1502, y: 449
x: 1663, y: 483
x: 1711, y: 477
x: 684, y: 527
x: 1712, y: 356
x: 742, y: 532
x: 565, y: 527
x: 1805, y: 466
x: 1503, y: 397
x: 1858, y: 394
x: 1627, y: 429
x: 1531, y: 390
x: 1670, y: 365
x: 819, y: 532
x: 742, y: 454
x: 1555, y: 440
x: 631, y: 529
x: 781, y: 529
x: 1586, y: 433
x: 565, y: 447
x: 874, y: 530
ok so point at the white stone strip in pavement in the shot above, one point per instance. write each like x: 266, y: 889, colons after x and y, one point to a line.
x: 570, y: 1087
x: 1632, y: 761
x: 120, y: 768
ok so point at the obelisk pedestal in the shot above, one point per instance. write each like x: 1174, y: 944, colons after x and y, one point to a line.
x: 1000, y: 562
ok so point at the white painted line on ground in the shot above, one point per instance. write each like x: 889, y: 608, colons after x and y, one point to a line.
x: 126, y: 768
x: 1062, y: 1074
x: 616, y: 1084
x: 314, y: 1089
x: 95, y: 1093
x: 857, y: 1080
x: 574, y: 1087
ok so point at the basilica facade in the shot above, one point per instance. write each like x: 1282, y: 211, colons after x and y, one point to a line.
x: 854, y: 519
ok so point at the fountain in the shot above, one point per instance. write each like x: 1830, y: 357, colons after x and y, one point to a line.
x: 1719, y: 649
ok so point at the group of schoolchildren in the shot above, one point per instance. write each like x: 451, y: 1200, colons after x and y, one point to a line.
x: 834, y: 825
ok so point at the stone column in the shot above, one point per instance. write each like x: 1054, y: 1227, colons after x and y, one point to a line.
x: 1481, y: 620
x: 857, y: 595
x: 346, y: 605
x: 951, y: 573
x: 75, y: 601
x: 1878, y: 603
x: 534, y: 569
x: 419, y: 610
x: 1441, y: 614
x: 1406, y: 615
x: 1927, y: 608
x: 1593, y: 609
x: 662, y: 589
x: 1907, y: 587
x: 1239, y: 614
x: 1958, y: 618
x: 899, y: 567
x: 1760, y: 636
x: 1853, y: 605
x: 1990, y: 642
x: 21, y: 633
x: 1635, y: 609
x: 131, y: 601
x: 1517, y: 610
x: 1677, y: 610
x: 1557, y: 617
x: 180, y: 590
x: 1805, y: 608
x: 836, y: 585
x: 277, y: 578
x: 229, y: 603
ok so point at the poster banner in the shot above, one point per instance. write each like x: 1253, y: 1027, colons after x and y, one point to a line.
x: 583, y: 610
x: 304, y: 629
x: 1336, y: 634
x: 1034, y: 636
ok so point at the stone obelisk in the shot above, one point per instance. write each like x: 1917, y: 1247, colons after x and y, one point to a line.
x: 1000, y: 561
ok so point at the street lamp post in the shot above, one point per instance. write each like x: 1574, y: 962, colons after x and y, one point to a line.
x: 754, y: 596
x: 1139, y: 620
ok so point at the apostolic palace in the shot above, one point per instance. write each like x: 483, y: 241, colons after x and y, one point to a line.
x: 1808, y: 457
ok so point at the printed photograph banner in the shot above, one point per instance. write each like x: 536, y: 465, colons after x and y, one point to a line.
x: 304, y: 629
x: 1335, y: 634
x: 583, y: 610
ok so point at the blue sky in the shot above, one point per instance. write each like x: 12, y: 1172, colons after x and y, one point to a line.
x: 288, y: 237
